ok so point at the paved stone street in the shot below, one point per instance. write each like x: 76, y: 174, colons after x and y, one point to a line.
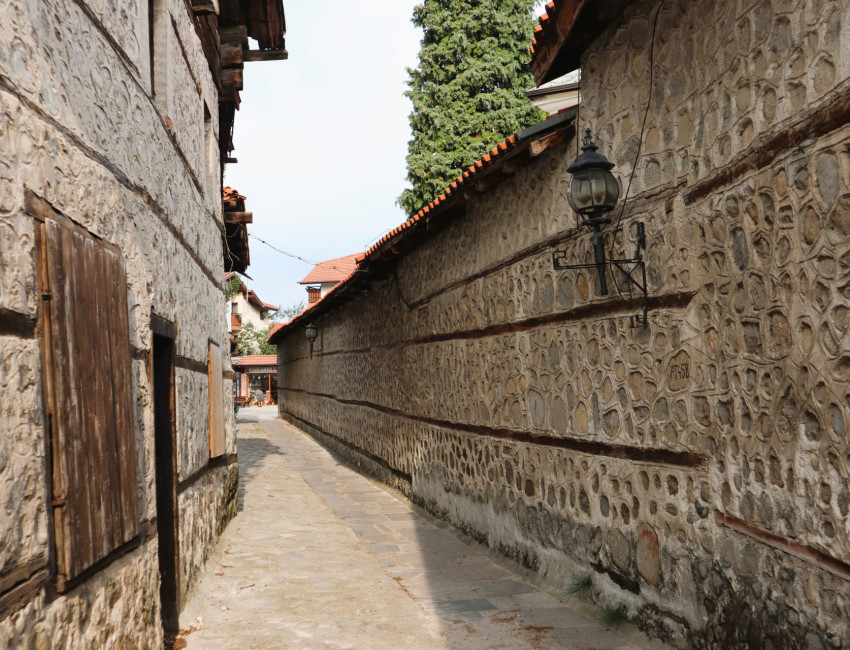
x: 320, y: 556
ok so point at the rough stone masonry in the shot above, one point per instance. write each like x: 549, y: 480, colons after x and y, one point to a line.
x: 699, y: 467
x: 125, y: 157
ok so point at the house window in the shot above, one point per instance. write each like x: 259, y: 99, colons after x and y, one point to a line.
x: 89, y: 388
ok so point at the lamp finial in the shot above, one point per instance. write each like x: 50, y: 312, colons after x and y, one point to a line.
x: 588, y: 144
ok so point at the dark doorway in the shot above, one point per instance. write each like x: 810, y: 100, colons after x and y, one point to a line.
x: 166, y: 489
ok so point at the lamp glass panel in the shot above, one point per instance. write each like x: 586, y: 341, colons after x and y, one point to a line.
x: 613, y: 191
x: 598, y: 188
x: 581, y: 194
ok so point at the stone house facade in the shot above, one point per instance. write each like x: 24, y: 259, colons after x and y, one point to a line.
x: 117, y: 443
x: 697, y: 468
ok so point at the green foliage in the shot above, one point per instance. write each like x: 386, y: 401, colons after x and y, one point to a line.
x: 253, y: 341
x: 467, y: 92
x: 288, y: 313
x: 232, y: 287
x: 613, y: 615
x: 581, y: 585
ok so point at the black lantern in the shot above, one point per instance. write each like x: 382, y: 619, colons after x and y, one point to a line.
x: 593, y: 192
x: 312, y: 332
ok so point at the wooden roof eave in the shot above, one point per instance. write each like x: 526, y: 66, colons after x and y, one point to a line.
x: 570, y: 28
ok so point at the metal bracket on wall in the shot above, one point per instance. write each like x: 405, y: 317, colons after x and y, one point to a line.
x: 628, y: 267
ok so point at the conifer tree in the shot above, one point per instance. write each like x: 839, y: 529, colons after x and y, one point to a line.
x: 467, y: 92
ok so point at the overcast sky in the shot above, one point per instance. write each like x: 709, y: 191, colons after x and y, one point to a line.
x: 321, y: 139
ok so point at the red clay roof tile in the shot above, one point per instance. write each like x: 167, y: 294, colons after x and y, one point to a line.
x: 256, y: 360
x: 334, y: 270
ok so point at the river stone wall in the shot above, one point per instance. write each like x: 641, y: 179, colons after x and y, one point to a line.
x: 80, y: 127
x: 698, y: 467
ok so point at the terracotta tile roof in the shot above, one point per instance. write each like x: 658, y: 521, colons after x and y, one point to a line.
x: 553, y: 130
x: 256, y: 360
x: 334, y: 270
x: 274, y: 329
x: 543, y: 22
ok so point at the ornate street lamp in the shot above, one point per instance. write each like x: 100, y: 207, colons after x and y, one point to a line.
x: 312, y: 332
x: 593, y: 192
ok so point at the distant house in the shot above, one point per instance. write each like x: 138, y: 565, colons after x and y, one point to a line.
x: 245, y: 307
x: 326, y: 275
x: 255, y: 371
x: 557, y: 95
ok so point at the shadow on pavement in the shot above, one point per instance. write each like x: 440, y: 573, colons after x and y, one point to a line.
x: 251, y: 452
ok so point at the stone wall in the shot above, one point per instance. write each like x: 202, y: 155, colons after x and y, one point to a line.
x: 116, y: 608
x: 81, y: 127
x: 700, y: 466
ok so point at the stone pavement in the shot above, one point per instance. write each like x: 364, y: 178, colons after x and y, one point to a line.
x: 321, y: 557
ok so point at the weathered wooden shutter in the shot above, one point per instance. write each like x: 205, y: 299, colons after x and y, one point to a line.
x: 89, y: 388
x: 216, y: 387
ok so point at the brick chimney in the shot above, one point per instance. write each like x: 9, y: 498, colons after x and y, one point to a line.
x: 313, y: 295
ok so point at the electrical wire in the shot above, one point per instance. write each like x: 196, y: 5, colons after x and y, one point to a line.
x: 323, y: 265
x: 642, y: 128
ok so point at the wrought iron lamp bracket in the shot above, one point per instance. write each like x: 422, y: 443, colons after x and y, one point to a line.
x: 629, y: 267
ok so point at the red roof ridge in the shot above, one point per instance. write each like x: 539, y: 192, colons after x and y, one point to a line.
x: 485, y: 161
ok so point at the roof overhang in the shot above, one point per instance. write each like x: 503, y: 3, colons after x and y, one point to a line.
x: 239, y: 21
x: 566, y: 30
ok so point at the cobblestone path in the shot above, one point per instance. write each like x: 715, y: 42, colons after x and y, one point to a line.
x: 321, y: 557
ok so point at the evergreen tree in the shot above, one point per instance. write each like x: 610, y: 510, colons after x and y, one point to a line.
x: 467, y: 92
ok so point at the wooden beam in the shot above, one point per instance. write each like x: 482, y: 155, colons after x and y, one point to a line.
x: 552, y: 140
x: 266, y: 55
x: 205, y: 6
x: 231, y: 56
x: 231, y: 80
x: 238, y: 34
x: 239, y: 217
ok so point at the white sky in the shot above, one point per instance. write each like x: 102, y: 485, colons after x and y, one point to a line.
x: 322, y: 138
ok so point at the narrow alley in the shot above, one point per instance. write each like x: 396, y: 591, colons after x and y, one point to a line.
x: 320, y: 556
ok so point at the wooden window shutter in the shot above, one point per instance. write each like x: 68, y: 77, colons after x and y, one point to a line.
x: 216, y: 385
x: 86, y: 335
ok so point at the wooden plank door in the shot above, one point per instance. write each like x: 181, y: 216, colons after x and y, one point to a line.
x: 89, y: 397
